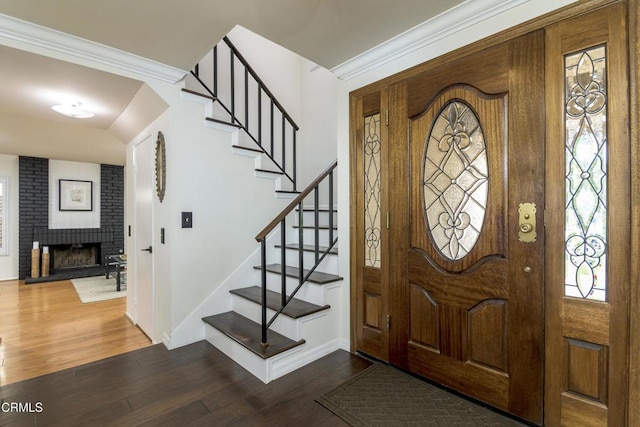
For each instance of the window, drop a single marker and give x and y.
(4, 215)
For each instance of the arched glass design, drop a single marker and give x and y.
(586, 174)
(456, 179)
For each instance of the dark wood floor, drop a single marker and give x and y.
(195, 385)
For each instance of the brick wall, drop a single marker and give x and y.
(112, 207)
(33, 208)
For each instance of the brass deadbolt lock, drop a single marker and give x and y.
(527, 222)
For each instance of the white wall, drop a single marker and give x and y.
(440, 45)
(60, 169)
(306, 91)
(9, 262)
(318, 129)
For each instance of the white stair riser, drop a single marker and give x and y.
(284, 325)
(309, 236)
(310, 292)
(308, 217)
(329, 263)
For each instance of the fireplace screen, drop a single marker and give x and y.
(75, 256)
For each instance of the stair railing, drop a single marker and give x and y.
(326, 177)
(249, 104)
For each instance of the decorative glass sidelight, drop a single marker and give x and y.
(456, 179)
(586, 174)
(372, 190)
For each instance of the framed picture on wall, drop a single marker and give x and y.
(75, 195)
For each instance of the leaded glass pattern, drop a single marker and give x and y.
(586, 174)
(372, 190)
(456, 179)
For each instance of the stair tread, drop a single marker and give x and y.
(321, 227)
(310, 248)
(311, 209)
(316, 277)
(269, 171)
(248, 333)
(203, 95)
(295, 309)
(211, 119)
(240, 147)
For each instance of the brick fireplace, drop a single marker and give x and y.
(33, 215)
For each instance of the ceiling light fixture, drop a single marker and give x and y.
(72, 110)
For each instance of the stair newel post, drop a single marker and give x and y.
(316, 218)
(283, 261)
(263, 251)
(330, 208)
(300, 243)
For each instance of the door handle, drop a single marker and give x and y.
(149, 249)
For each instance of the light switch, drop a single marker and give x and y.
(187, 220)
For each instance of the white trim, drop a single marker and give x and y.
(36, 35)
(452, 21)
(5, 215)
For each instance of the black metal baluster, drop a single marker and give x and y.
(316, 214)
(283, 259)
(294, 157)
(271, 152)
(233, 88)
(246, 98)
(300, 244)
(263, 250)
(284, 144)
(259, 115)
(215, 70)
(331, 208)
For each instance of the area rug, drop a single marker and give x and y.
(384, 396)
(93, 289)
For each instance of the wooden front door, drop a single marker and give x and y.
(475, 263)
(504, 220)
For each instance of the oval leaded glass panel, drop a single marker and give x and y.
(456, 179)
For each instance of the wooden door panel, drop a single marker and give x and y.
(475, 307)
(368, 238)
(586, 336)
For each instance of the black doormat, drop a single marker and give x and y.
(384, 396)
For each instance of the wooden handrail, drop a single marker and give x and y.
(273, 224)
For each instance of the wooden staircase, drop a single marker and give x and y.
(238, 332)
(279, 322)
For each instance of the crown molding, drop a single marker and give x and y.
(23, 32)
(456, 19)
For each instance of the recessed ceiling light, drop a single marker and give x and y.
(72, 110)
